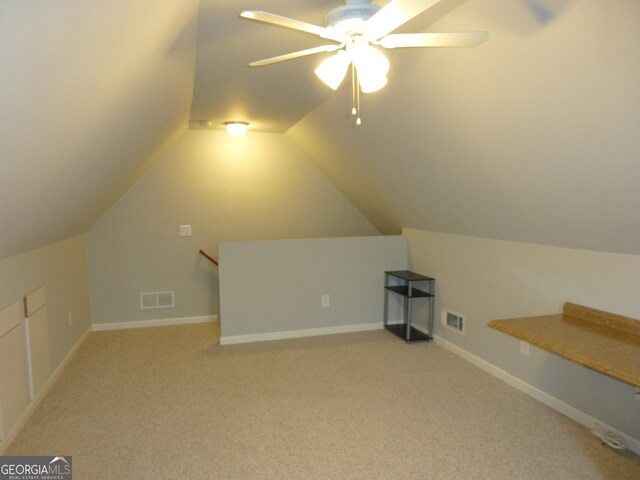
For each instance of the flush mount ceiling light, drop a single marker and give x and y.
(359, 28)
(237, 129)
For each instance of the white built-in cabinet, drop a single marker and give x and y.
(14, 390)
(25, 365)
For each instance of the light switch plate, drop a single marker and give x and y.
(185, 230)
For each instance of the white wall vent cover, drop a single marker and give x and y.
(157, 300)
(453, 321)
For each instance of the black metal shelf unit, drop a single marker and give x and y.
(409, 285)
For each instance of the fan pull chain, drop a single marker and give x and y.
(354, 110)
(358, 119)
(355, 95)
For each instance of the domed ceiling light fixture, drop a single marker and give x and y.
(358, 28)
(235, 128)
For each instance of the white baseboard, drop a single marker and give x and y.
(308, 332)
(164, 322)
(558, 405)
(4, 444)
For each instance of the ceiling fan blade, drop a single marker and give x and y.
(394, 14)
(281, 21)
(461, 39)
(292, 55)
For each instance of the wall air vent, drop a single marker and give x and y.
(453, 321)
(156, 300)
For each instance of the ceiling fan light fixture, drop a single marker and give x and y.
(369, 61)
(372, 83)
(372, 68)
(235, 128)
(333, 69)
(359, 27)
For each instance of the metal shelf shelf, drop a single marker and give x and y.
(403, 285)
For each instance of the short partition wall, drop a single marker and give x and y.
(292, 288)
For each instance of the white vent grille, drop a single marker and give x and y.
(157, 300)
(453, 321)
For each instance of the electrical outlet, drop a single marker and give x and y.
(324, 300)
(70, 318)
(185, 230)
(524, 347)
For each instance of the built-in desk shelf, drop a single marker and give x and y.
(601, 341)
(409, 285)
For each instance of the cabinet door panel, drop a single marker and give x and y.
(13, 371)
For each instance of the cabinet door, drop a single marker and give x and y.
(37, 330)
(13, 371)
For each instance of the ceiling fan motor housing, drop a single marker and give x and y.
(354, 9)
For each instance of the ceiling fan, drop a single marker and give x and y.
(357, 29)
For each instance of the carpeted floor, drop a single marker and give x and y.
(169, 403)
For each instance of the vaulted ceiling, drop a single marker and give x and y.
(90, 91)
(272, 98)
(531, 136)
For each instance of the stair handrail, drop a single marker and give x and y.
(208, 257)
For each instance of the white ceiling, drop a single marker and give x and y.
(90, 91)
(271, 98)
(275, 97)
(532, 136)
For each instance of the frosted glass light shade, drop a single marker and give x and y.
(372, 83)
(372, 68)
(333, 70)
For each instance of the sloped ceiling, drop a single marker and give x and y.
(271, 98)
(89, 92)
(533, 136)
(275, 97)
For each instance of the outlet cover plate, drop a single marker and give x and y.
(325, 300)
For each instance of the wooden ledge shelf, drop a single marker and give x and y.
(601, 341)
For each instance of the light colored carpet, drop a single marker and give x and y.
(167, 403)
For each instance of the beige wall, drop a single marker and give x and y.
(62, 269)
(257, 187)
(491, 279)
